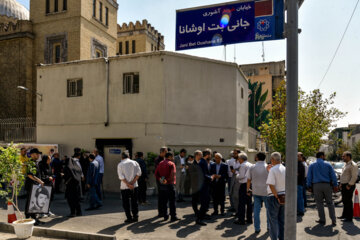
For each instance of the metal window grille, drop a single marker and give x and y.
(131, 83)
(74, 87)
(17, 130)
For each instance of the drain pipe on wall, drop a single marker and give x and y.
(106, 124)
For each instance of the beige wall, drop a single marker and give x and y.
(183, 101)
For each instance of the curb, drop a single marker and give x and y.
(55, 233)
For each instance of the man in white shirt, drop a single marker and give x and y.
(276, 194)
(100, 160)
(180, 174)
(129, 172)
(231, 165)
(244, 199)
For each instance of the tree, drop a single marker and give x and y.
(316, 115)
(355, 151)
(257, 103)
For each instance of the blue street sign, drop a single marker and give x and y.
(115, 151)
(228, 23)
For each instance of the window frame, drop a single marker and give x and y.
(64, 5)
(131, 83)
(56, 5)
(94, 8)
(127, 50)
(55, 57)
(100, 11)
(74, 87)
(133, 46)
(106, 16)
(120, 48)
(47, 6)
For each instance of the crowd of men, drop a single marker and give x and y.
(250, 186)
(206, 173)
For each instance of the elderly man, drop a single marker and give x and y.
(180, 163)
(232, 164)
(348, 182)
(244, 199)
(276, 197)
(256, 177)
(322, 181)
(129, 172)
(219, 171)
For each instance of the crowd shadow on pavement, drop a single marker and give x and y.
(351, 229)
(321, 231)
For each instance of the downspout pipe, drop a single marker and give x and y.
(107, 69)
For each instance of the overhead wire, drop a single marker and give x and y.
(338, 47)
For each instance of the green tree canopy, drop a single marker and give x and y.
(316, 116)
(257, 103)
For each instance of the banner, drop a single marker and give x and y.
(228, 23)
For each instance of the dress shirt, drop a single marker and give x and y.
(166, 169)
(258, 175)
(276, 178)
(306, 168)
(321, 172)
(182, 162)
(231, 162)
(100, 160)
(241, 174)
(218, 168)
(349, 174)
(128, 169)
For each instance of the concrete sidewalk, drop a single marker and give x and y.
(110, 218)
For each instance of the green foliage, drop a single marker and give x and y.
(12, 174)
(355, 151)
(316, 116)
(150, 159)
(257, 103)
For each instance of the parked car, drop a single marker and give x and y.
(338, 168)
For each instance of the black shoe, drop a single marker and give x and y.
(71, 216)
(341, 217)
(201, 223)
(320, 222)
(214, 214)
(249, 221)
(239, 222)
(98, 206)
(300, 214)
(232, 210)
(222, 214)
(257, 231)
(128, 220)
(160, 215)
(174, 219)
(135, 219)
(346, 220)
(38, 222)
(166, 217)
(333, 224)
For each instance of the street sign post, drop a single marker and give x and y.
(228, 23)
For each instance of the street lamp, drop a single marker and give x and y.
(34, 92)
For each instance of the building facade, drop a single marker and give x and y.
(269, 73)
(142, 102)
(139, 37)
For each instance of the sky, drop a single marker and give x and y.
(322, 23)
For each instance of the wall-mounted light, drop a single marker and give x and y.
(34, 92)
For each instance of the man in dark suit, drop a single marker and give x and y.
(180, 162)
(205, 165)
(219, 171)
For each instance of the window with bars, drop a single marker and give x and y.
(131, 83)
(74, 87)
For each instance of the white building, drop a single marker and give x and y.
(141, 102)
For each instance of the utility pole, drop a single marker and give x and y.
(291, 118)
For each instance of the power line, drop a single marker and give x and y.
(337, 49)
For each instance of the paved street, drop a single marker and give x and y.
(110, 220)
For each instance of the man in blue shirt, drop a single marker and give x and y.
(321, 180)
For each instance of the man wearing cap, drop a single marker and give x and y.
(32, 178)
